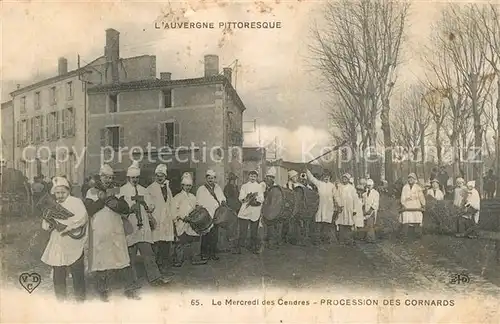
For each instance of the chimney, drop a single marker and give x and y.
(167, 76)
(228, 73)
(112, 52)
(62, 65)
(211, 65)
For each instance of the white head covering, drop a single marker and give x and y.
(161, 168)
(106, 170)
(271, 172)
(210, 172)
(58, 182)
(460, 180)
(369, 182)
(347, 175)
(471, 184)
(363, 181)
(187, 179)
(412, 175)
(292, 173)
(134, 170)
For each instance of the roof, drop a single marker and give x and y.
(314, 168)
(254, 153)
(148, 84)
(6, 104)
(52, 80)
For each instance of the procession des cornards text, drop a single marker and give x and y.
(332, 302)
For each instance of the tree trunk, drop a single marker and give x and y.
(386, 129)
(422, 150)
(438, 143)
(498, 137)
(478, 136)
(456, 155)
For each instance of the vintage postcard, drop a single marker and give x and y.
(286, 161)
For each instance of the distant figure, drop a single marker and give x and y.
(232, 192)
(38, 189)
(489, 185)
(443, 178)
(434, 173)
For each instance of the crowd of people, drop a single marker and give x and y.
(122, 221)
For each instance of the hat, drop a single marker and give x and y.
(59, 182)
(253, 172)
(134, 170)
(360, 187)
(471, 183)
(186, 179)
(106, 170)
(370, 182)
(292, 173)
(271, 172)
(210, 172)
(412, 175)
(161, 169)
(346, 175)
(362, 181)
(461, 180)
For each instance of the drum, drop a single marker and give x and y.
(307, 201)
(224, 216)
(278, 205)
(200, 220)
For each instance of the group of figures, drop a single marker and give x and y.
(118, 222)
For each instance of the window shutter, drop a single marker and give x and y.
(176, 134)
(121, 135)
(31, 129)
(47, 127)
(104, 141)
(18, 133)
(64, 123)
(72, 125)
(57, 126)
(161, 134)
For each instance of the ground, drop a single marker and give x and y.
(426, 264)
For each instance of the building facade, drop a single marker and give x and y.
(51, 116)
(189, 124)
(7, 144)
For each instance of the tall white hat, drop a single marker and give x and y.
(161, 168)
(106, 170)
(134, 170)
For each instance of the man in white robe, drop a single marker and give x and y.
(359, 223)
(371, 201)
(108, 243)
(63, 252)
(186, 238)
(210, 196)
(324, 215)
(251, 197)
(141, 238)
(347, 204)
(468, 221)
(163, 234)
(413, 203)
(460, 193)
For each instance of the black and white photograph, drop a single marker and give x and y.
(278, 161)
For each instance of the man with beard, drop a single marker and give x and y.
(210, 196)
(141, 238)
(107, 244)
(163, 234)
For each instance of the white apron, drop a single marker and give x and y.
(475, 201)
(359, 218)
(63, 250)
(251, 213)
(371, 200)
(182, 204)
(142, 234)
(347, 199)
(108, 246)
(412, 198)
(162, 213)
(326, 192)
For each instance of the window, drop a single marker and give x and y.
(23, 105)
(113, 103)
(37, 100)
(52, 166)
(69, 90)
(37, 129)
(25, 130)
(52, 129)
(113, 136)
(53, 96)
(68, 122)
(167, 98)
(168, 133)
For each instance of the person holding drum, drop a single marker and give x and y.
(210, 196)
(182, 204)
(324, 215)
(251, 197)
(163, 234)
(141, 239)
(347, 210)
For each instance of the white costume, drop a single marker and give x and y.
(347, 200)
(371, 199)
(460, 193)
(326, 192)
(182, 204)
(474, 200)
(62, 250)
(162, 213)
(205, 199)
(251, 213)
(412, 197)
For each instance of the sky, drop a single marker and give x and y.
(274, 78)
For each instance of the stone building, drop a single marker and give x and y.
(51, 116)
(7, 144)
(189, 124)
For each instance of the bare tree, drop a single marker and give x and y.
(357, 52)
(433, 101)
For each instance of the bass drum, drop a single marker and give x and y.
(278, 205)
(224, 216)
(307, 201)
(200, 220)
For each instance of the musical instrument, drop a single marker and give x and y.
(52, 212)
(251, 199)
(136, 208)
(200, 220)
(278, 205)
(224, 216)
(307, 202)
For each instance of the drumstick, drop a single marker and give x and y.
(333, 149)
